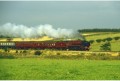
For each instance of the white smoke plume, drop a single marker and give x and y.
(22, 31)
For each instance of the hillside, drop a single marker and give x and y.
(100, 35)
(95, 46)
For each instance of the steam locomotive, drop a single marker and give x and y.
(59, 45)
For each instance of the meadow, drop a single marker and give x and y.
(58, 69)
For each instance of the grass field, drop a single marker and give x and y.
(54, 69)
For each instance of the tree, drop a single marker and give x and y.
(116, 38)
(91, 41)
(105, 47)
(103, 40)
(109, 39)
(98, 40)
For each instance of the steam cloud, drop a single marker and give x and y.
(13, 30)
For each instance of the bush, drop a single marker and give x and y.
(98, 40)
(109, 39)
(16, 51)
(58, 54)
(24, 51)
(20, 51)
(91, 41)
(103, 40)
(38, 53)
(6, 49)
(116, 38)
(105, 47)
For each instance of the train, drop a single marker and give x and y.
(77, 45)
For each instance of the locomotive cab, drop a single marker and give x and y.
(86, 45)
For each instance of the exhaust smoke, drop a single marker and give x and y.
(22, 31)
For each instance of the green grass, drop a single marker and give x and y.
(59, 69)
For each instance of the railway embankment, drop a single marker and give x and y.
(60, 54)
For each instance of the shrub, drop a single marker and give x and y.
(6, 49)
(109, 39)
(91, 41)
(24, 51)
(116, 38)
(20, 51)
(38, 53)
(105, 47)
(58, 53)
(16, 51)
(103, 40)
(98, 40)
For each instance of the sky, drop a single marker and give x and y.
(62, 14)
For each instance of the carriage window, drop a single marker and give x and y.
(9, 43)
(1, 43)
(13, 44)
(53, 44)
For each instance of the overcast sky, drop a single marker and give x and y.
(62, 14)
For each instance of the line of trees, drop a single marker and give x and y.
(99, 30)
(103, 40)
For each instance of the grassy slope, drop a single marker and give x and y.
(47, 69)
(101, 35)
(115, 45)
